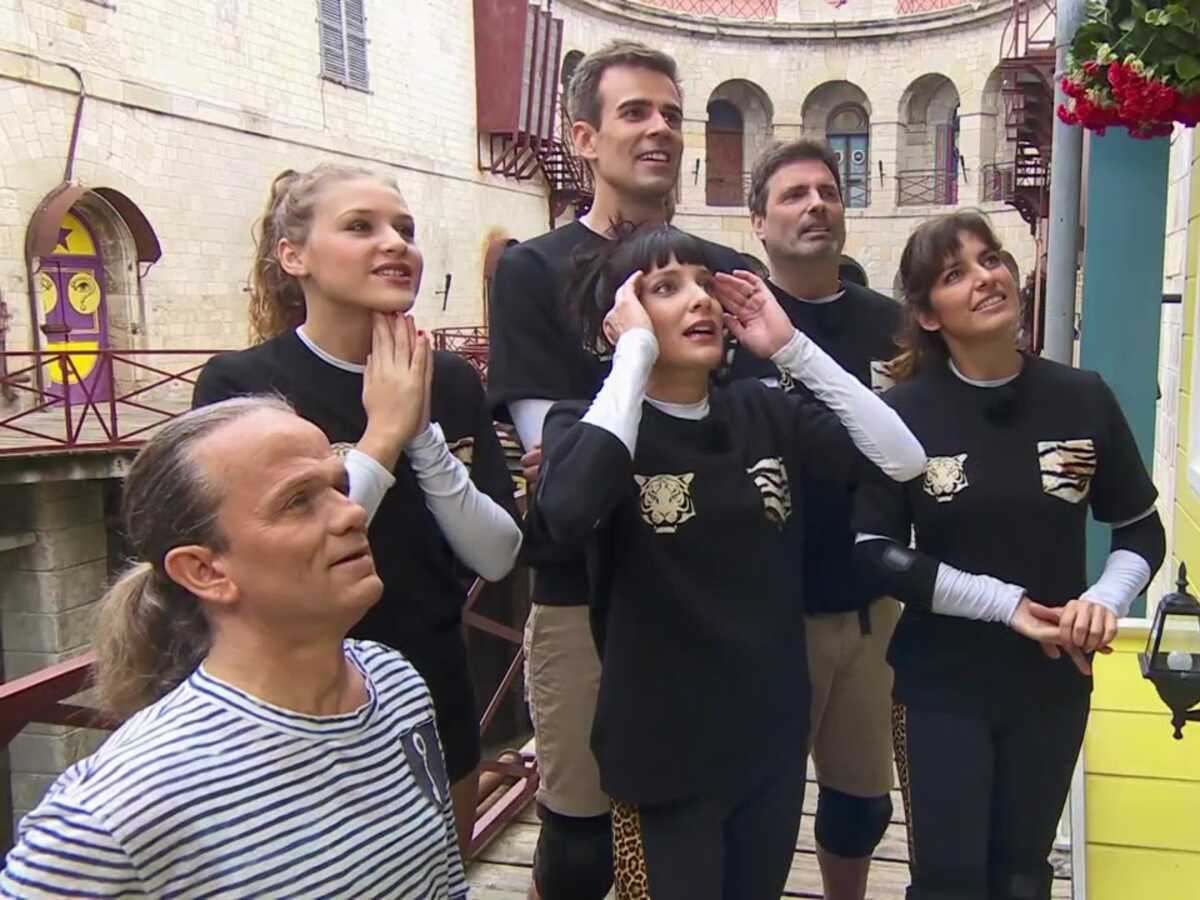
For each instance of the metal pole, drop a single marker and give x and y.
(1066, 161)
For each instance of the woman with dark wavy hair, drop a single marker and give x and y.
(679, 490)
(987, 726)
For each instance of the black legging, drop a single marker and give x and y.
(983, 795)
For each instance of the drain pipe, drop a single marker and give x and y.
(68, 174)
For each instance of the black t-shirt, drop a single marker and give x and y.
(537, 352)
(858, 330)
(1011, 473)
(423, 582)
(700, 632)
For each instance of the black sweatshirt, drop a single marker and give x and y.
(1012, 471)
(694, 605)
(423, 582)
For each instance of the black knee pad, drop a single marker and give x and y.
(573, 859)
(850, 826)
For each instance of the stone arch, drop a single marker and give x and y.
(740, 123)
(826, 99)
(571, 60)
(996, 152)
(928, 165)
(839, 113)
(126, 246)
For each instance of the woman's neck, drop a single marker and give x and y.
(312, 678)
(989, 361)
(344, 332)
(677, 385)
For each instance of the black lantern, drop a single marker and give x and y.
(1172, 656)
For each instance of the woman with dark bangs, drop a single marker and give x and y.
(679, 491)
(987, 726)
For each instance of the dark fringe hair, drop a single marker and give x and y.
(598, 273)
(935, 241)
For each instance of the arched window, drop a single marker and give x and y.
(849, 134)
(569, 64)
(723, 135)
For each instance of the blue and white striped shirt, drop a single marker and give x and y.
(212, 793)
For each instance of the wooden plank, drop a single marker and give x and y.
(887, 880)
(513, 846)
(490, 881)
(1140, 745)
(1124, 873)
(1143, 812)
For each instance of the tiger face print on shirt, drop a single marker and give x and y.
(666, 500)
(771, 478)
(1067, 468)
(945, 476)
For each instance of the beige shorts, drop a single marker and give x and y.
(851, 726)
(562, 679)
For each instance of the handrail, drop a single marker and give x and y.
(77, 415)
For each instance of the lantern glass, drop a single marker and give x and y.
(1173, 644)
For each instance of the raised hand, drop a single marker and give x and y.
(627, 312)
(752, 314)
(397, 386)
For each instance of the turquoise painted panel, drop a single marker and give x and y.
(1122, 285)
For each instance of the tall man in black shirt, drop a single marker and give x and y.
(796, 210)
(626, 106)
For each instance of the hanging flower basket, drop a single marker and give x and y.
(1136, 64)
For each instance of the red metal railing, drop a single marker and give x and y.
(913, 7)
(469, 342)
(725, 9)
(118, 399)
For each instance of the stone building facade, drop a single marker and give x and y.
(160, 126)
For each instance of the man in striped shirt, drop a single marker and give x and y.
(274, 758)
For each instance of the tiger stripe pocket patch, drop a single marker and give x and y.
(1067, 468)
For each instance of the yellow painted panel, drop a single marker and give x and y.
(1128, 873)
(1187, 525)
(1186, 499)
(1143, 812)
(1140, 744)
(80, 364)
(1119, 685)
(1185, 363)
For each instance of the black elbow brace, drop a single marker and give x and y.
(890, 568)
(1145, 537)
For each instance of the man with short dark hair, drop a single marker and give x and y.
(627, 114)
(796, 210)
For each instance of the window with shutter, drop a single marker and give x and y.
(344, 42)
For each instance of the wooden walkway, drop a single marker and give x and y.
(501, 871)
(92, 427)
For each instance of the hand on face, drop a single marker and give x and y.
(627, 312)
(398, 380)
(753, 314)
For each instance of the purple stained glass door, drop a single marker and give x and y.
(75, 315)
